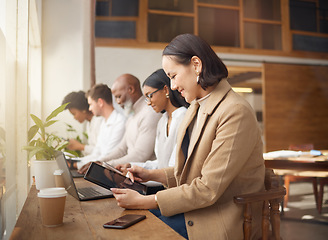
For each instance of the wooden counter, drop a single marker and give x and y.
(84, 220)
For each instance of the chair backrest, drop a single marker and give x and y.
(271, 180)
(271, 199)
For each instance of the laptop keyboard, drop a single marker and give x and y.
(89, 192)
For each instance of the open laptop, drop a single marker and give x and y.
(74, 172)
(82, 194)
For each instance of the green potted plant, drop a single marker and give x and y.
(42, 146)
(71, 130)
(46, 144)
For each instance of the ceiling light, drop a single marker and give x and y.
(242, 89)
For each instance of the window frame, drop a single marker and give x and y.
(141, 40)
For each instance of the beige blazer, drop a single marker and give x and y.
(225, 160)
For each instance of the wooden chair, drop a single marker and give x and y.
(296, 176)
(323, 182)
(271, 197)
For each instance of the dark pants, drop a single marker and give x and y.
(176, 222)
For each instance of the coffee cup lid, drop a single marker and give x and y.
(52, 192)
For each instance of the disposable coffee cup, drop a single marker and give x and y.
(52, 205)
(59, 178)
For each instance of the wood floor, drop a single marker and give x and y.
(301, 220)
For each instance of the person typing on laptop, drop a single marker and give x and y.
(112, 128)
(137, 144)
(79, 107)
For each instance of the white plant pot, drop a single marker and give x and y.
(43, 170)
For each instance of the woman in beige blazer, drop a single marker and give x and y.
(224, 154)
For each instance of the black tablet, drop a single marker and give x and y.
(109, 177)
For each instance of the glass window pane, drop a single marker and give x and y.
(219, 26)
(172, 5)
(323, 11)
(323, 6)
(310, 43)
(303, 16)
(115, 29)
(125, 8)
(221, 2)
(324, 26)
(3, 108)
(102, 8)
(262, 36)
(259, 9)
(163, 28)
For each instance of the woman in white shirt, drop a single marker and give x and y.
(78, 106)
(162, 99)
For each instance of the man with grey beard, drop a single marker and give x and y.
(138, 142)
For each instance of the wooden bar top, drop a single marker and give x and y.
(85, 219)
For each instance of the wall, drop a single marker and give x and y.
(295, 105)
(112, 62)
(66, 54)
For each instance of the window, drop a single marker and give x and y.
(266, 10)
(262, 36)
(245, 25)
(262, 24)
(167, 19)
(17, 67)
(186, 6)
(115, 29)
(163, 28)
(303, 16)
(309, 25)
(116, 18)
(226, 22)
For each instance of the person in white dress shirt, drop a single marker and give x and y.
(79, 107)
(138, 141)
(172, 105)
(113, 127)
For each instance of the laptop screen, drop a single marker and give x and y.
(67, 177)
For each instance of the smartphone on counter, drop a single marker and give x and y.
(124, 221)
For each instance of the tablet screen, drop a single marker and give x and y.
(111, 178)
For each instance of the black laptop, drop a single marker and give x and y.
(74, 172)
(82, 194)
